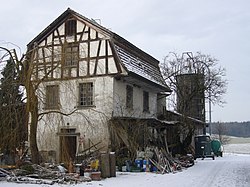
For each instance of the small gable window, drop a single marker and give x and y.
(70, 27)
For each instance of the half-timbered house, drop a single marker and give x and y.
(94, 87)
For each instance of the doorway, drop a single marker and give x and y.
(68, 145)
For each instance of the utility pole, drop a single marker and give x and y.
(210, 111)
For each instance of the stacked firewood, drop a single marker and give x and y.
(164, 162)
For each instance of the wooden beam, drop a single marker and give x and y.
(88, 53)
(97, 56)
(44, 65)
(52, 54)
(60, 39)
(81, 34)
(116, 58)
(36, 62)
(106, 59)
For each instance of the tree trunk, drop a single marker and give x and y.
(33, 133)
(32, 110)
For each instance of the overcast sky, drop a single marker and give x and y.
(220, 28)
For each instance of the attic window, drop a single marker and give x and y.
(70, 27)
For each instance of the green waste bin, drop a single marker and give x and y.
(216, 147)
(203, 148)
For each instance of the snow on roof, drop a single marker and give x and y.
(140, 66)
(182, 115)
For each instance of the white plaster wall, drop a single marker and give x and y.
(90, 122)
(120, 109)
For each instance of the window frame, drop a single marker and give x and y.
(52, 99)
(145, 101)
(89, 95)
(70, 27)
(129, 97)
(71, 55)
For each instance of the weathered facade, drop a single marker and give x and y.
(87, 77)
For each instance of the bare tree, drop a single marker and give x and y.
(27, 69)
(219, 130)
(215, 84)
(205, 80)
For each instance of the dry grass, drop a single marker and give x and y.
(238, 140)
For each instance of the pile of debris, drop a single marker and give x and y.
(89, 164)
(165, 163)
(36, 174)
(94, 166)
(87, 169)
(158, 160)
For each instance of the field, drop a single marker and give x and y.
(237, 145)
(238, 140)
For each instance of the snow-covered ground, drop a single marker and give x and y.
(231, 170)
(237, 148)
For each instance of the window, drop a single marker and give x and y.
(52, 97)
(129, 97)
(86, 93)
(70, 27)
(71, 51)
(145, 101)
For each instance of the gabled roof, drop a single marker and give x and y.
(69, 12)
(131, 57)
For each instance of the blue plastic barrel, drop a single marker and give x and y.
(139, 163)
(146, 163)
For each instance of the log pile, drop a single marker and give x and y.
(162, 161)
(165, 163)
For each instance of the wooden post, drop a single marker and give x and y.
(112, 161)
(105, 166)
